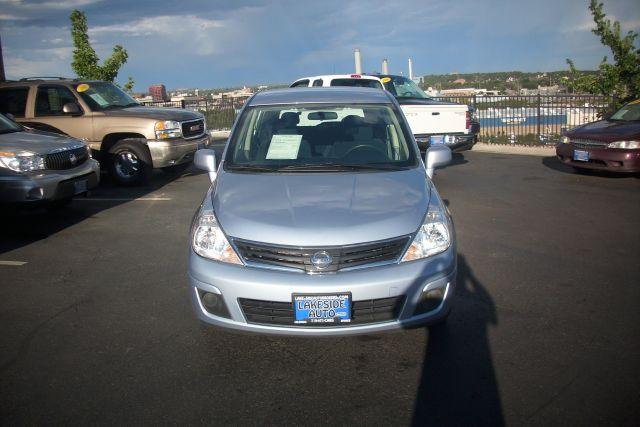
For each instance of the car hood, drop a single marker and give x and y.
(321, 209)
(607, 130)
(154, 113)
(36, 142)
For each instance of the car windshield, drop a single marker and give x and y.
(104, 96)
(7, 126)
(630, 112)
(356, 82)
(402, 87)
(320, 138)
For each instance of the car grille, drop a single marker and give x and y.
(588, 143)
(281, 313)
(342, 257)
(66, 159)
(192, 128)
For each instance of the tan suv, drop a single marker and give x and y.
(128, 138)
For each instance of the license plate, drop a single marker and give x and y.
(80, 186)
(581, 156)
(436, 139)
(325, 309)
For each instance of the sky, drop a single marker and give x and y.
(199, 43)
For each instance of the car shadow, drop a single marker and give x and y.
(552, 162)
(458, 384)
(25, 225)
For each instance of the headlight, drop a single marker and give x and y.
(433, 237)
(626, 145)
(209, 241)
(565, 139)
(168, 129)
(23, 161)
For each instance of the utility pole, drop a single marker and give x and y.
(2, 75)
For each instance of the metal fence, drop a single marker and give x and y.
(533, 120)
(529, 120)
(219, 113)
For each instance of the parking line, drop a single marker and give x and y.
(13, 263)
(123, 199)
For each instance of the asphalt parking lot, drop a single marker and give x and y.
(97, 326)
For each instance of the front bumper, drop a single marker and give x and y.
(48, 185)
(170, 152)
(601, 158)
(409, 279)
(460, 142)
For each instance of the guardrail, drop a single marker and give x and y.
(504, 119)
(532, 120)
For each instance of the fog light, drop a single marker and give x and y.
(214, 304)
(429, 301)
(35, 194)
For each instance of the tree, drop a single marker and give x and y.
(621, 78)
(85, 60)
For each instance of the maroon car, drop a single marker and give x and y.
(612, 144)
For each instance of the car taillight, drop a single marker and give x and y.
(468, 120)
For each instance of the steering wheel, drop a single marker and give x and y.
(378, 155)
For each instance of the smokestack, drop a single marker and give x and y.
(385, 66)
(410, 68)
(358, 60)
(2, 76)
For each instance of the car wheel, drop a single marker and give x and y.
(176, 168)
(130, 163)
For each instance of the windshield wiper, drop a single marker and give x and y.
(331, 167)
(250, 168)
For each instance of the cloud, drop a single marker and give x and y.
(61, 4)
(189, 31)
(587, 25)
(9, 17)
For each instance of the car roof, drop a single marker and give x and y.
(321, 95)
(340, 76)
(38, 81)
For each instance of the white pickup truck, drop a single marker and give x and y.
(431, 121)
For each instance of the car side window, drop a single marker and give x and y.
(317, 82)
(301, 83)
(14, 100)
(51, 99)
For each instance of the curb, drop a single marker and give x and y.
(482, 147)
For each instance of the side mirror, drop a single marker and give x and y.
(205, 159)
(438, 155)
(71, 108)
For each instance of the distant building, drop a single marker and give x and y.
(184, 97)
(469, 91)
(158, 93)
(142, 98)
(544, 90)
(459, 81)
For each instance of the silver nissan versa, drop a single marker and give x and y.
(322, 219)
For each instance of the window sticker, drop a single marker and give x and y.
(99, 99)
(82, 87)
(284, 147)
(386, 79)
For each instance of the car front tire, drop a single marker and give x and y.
(130, 163)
